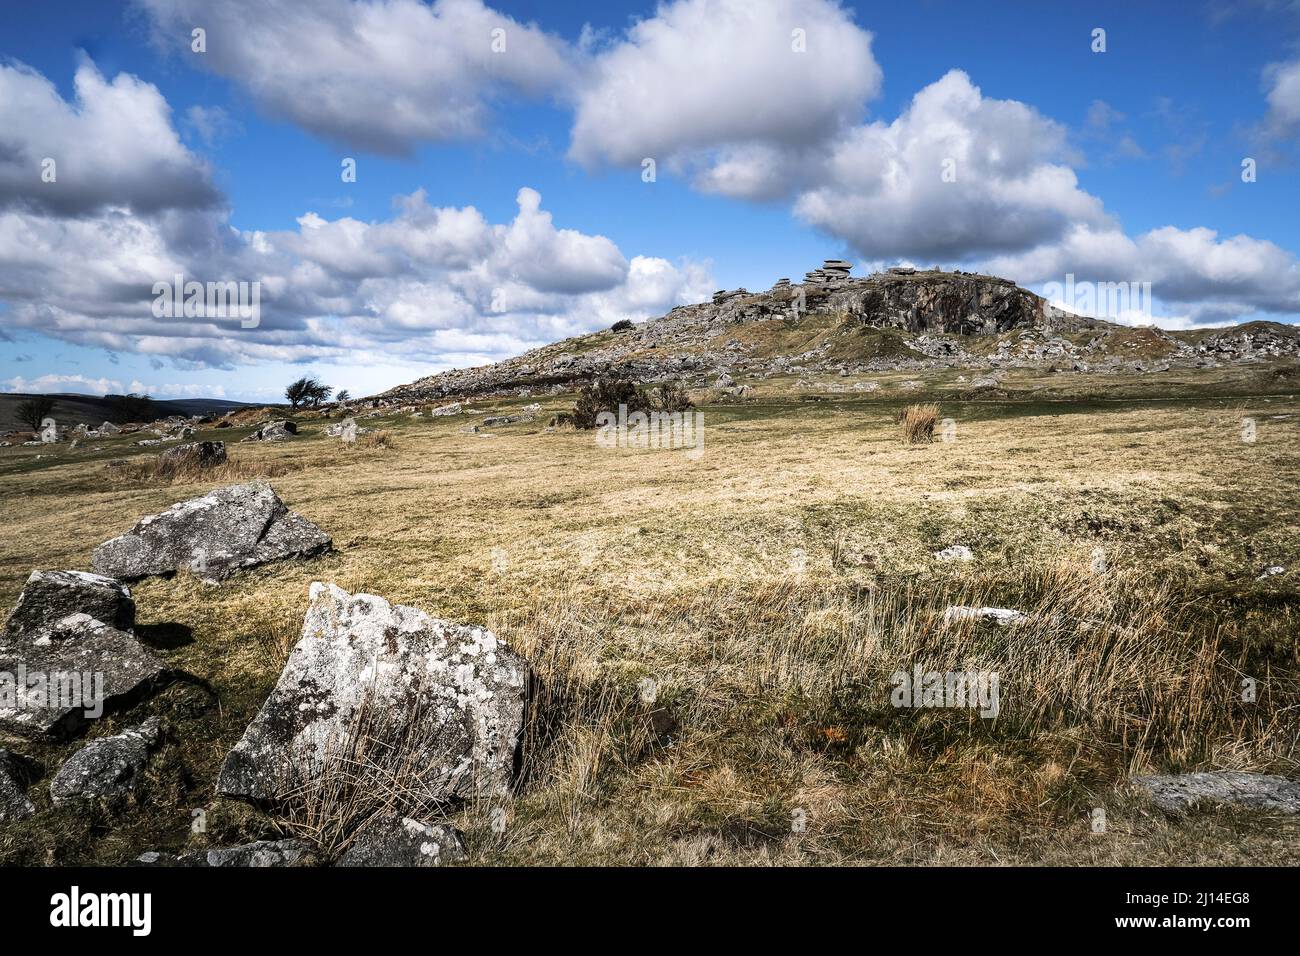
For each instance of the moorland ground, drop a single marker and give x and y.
(714, 636)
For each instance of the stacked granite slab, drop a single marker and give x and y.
(832, 270)
(723, 295)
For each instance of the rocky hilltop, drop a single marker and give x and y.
(836, 323)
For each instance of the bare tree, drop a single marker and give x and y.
(34, 410)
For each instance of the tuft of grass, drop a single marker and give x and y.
(380, 438)
(916, 422)
(377, 766)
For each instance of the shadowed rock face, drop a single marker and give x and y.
(1178, 793)
(50, 596)
(108, 768)
(948, 303)
(204, 454)
(281, 430)
(14, 804)
(448, 699)
(225, 531)
(74, 654)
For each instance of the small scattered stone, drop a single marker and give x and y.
(999, 615)
(958, 552)
(492, 420)
(261, 854)
(109, 768)
(401, 841)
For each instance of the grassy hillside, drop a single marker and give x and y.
(714, 636)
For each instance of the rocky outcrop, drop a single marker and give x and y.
(687, 343)
(447, 699)
(50, 596)
(109, 768)
(1178, 793)
(402, 841)
(216, 535)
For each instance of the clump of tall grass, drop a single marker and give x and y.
(379, 765)
(916, 422)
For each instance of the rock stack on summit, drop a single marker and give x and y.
(832, 270)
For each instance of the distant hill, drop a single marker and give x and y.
(70, 409)
(901, 319)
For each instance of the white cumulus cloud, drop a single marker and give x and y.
(382, 75)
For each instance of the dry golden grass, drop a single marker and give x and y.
(764, 592)
(155, 469)
(379, 438)
(916, 422)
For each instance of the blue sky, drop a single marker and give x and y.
(1121, 165)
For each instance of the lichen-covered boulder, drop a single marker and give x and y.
(14, 804)
(55, 679)
(200, 454)
(216, 535)
(402, 841)
(109, 768)
(50, 596)
(275, 431)
(444, 699)
(1178, 793)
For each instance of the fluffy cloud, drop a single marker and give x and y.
(113, 145)
(718, 89)
(440, 286)
(430, 285)
(955, 175)
(384, 75)
(1205, 277)
(79, 384)
(1282, 87)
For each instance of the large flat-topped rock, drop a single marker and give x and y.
(446, 702)
(56, 679)
(50, 596)
(214, 536)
